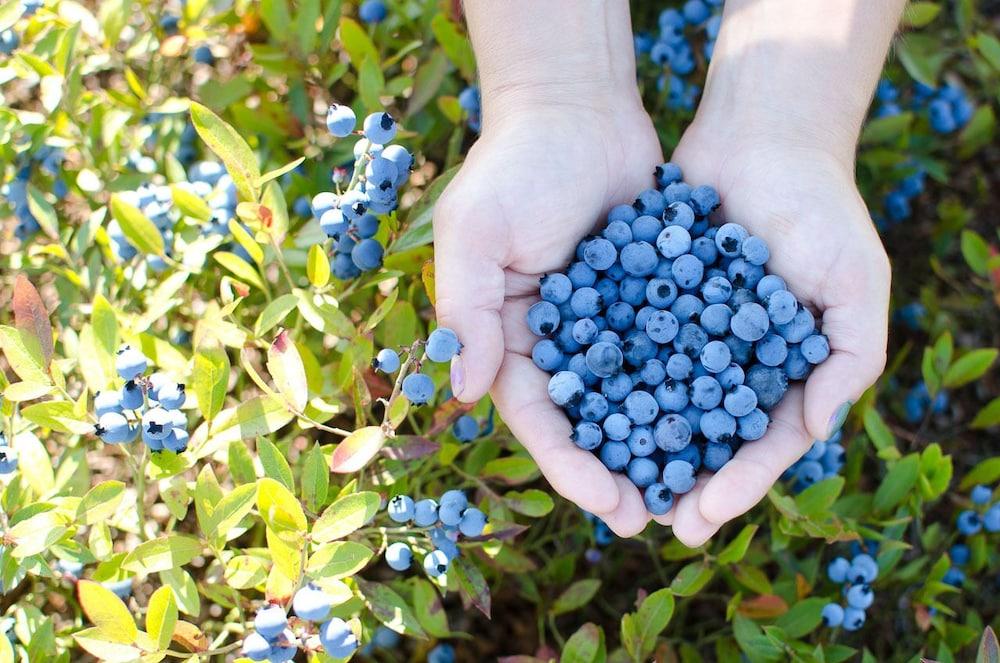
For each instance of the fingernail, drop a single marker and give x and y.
(838, 418)
(457, 376)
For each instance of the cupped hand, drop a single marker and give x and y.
(802, 200)
(534, 184)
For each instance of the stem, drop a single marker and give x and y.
(397, 387)
(232, 590)
(281, 261)
(210, 652)
(139, 469)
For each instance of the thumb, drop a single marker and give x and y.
(857, 329)
(470, 285)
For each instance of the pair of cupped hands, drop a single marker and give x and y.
(542, 176)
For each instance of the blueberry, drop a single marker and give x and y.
(687, 308)
(854, 619)
(641, 408)
(731, 376)
(718, 425)
(715, 356)
(401, 508)
(604, 359)
(860, 596)
(679, 214)
(687, 271)
(960, 554)
(442, 653)
(340, 121)
(801, 327)
(270, 621)
(615, 455)
(450, 514)
(599, 253)
(311, 603)
(556, 288)
(619, 233)
(372, 11)
(587, 435)
(752, 426)
(754, 250)
(672, 432)
(171, 395)
(667, 173)
(864, 569)
(954, 577)
(969, 523)
(387, 361)
(672, 395)
(770, 385)
(616, 388)
(418, 388)
(398, 556)
(690, 339)
(625, 213)
(465, 428)
(658, 499)
(650, 203)
(991, 519)
(256, 647)
(729, 239)
(642, 472)
(473, 522)
(796, 366)
(769, 285)
(640, 259)
(620, 316)
(833, 615)
(660, 292)
(543, 318)
(679, 476)
(617, 426)
(815, 348)
(380, 128)
(337, 638)
(809, 472)
(673, 242)
(837, 570)
(750, 322)
(425, 513)
(442, 345)
(130, 363)
(679, 366)
(586, 302)
(653, 372)
(662, 327)
(740, 401)
(632, 290)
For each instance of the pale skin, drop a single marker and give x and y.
(565, 138)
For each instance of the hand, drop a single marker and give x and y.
(537, 181)
(802, 200)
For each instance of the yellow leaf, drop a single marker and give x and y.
(161, 616)
(107, 612)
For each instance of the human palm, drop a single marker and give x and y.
(532, 186)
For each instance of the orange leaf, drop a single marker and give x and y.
(30, 315)
(190, 637)
(763, 607)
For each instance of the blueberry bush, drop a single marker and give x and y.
(226, 430)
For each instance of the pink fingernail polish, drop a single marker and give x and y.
(457, 376)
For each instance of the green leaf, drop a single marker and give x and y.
(10, 12)
(107, 612)
(803, 617)
(274, 463)
(248, 243)
(245, 571)
(817, 499)
(275, 313)
(969, 367)
(137, 228)
(989, 47)
(976, 251)
(985, 472)
(317, 268)
(919, 14)
(280, 510)
(277, 18)
(24, 354)
(389, 608)
(989, 416)
(58, 416)
(231, 509)
(322, 316)
(877, 430)
(737, 548)
(190, 204)
(356, 42)
(472, 584)
(315, 478)
(371, 83)
(338, 559)
(226, 143)
(258, 416)
(210, 380)
(168, 552)
(585, 646)
(240, 268)
(43, 212)
(575, 596)
(278, 172)
(288, 372)
(456, 45)
(429, 611)
(161, 616)
(922, 56)
(532, 502)
(511, 469)
(889, 129)
(753, 642)
(100, 502)
(347, 514)
(978, 133)
(653, 616)
(897, 484)
(105, 323)
(690, 579)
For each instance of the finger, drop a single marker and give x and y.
(516, 335)
(745, 480)
(521, 396)
(630, 516)
(857, 329)
(469, 283)
(690, 527)
(666, 519)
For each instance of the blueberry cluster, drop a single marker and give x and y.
(984, 516)
(448, 520)
(442, 345)
(603, 536)
(8, 456)
(823, 460)
(349, 216)
(147, 405)
(948, 108)
(667, 342)
(49, 161)
(897, 203)
(855, 578)
(672, 48)
(918, 400)
(274, 641)
(470, 102)
(372, 11)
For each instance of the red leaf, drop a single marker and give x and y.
(357, 450)
(472, 584)
(30, 315)
(763, 607)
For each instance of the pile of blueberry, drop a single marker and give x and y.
(672, 48)
(49, 161)
(985, 515)
(447, 520)
(349, 216)
(948, 108)
(8, 456)
(149, 406)
(667, 342)
(470, 102)
(418, 387)
(824, 459)
(274, 641)
(855, 577)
